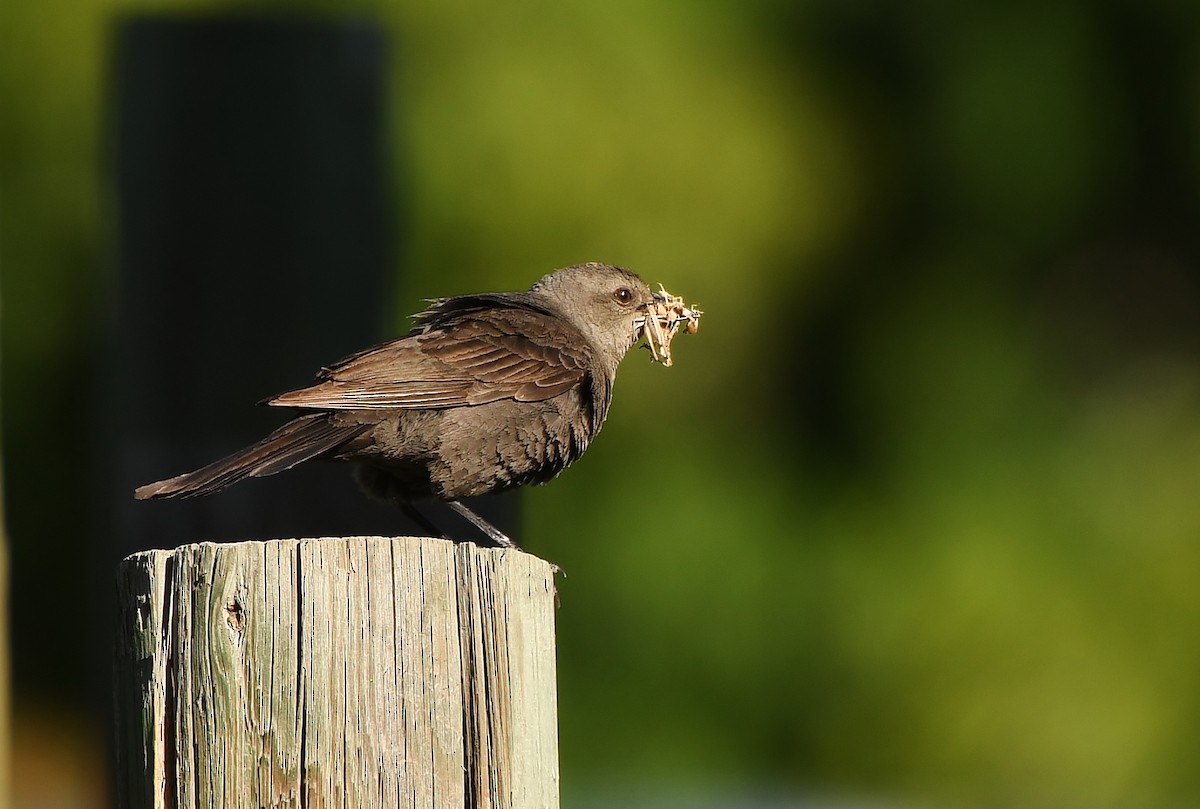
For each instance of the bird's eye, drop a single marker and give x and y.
(623, 296)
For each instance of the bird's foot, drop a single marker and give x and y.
(493, 533)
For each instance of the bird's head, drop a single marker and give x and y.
(608, 304)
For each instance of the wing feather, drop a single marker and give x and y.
(462, 356)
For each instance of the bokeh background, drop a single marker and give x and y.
(913, 519)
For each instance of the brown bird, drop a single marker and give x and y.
(486, 392)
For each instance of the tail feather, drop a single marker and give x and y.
(299, 440)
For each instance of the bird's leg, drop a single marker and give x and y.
(493, 533)
(421, 520)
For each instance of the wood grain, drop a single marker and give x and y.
(345, 672)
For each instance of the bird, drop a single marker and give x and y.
(487, 392)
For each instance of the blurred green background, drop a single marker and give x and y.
(912, 519)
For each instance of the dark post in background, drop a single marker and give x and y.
(253, 246)
(255, 243)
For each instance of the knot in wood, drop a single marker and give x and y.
(235, 615)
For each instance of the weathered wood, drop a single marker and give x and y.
(336, 673)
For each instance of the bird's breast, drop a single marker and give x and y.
(501, 445)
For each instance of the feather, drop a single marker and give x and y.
(299, 440)
(477, 356)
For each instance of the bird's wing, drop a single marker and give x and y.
(464, 356)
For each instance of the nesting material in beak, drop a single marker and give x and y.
(661, 322)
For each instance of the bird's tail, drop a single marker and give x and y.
(301, 439)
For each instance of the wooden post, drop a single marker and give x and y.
(347, 672)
